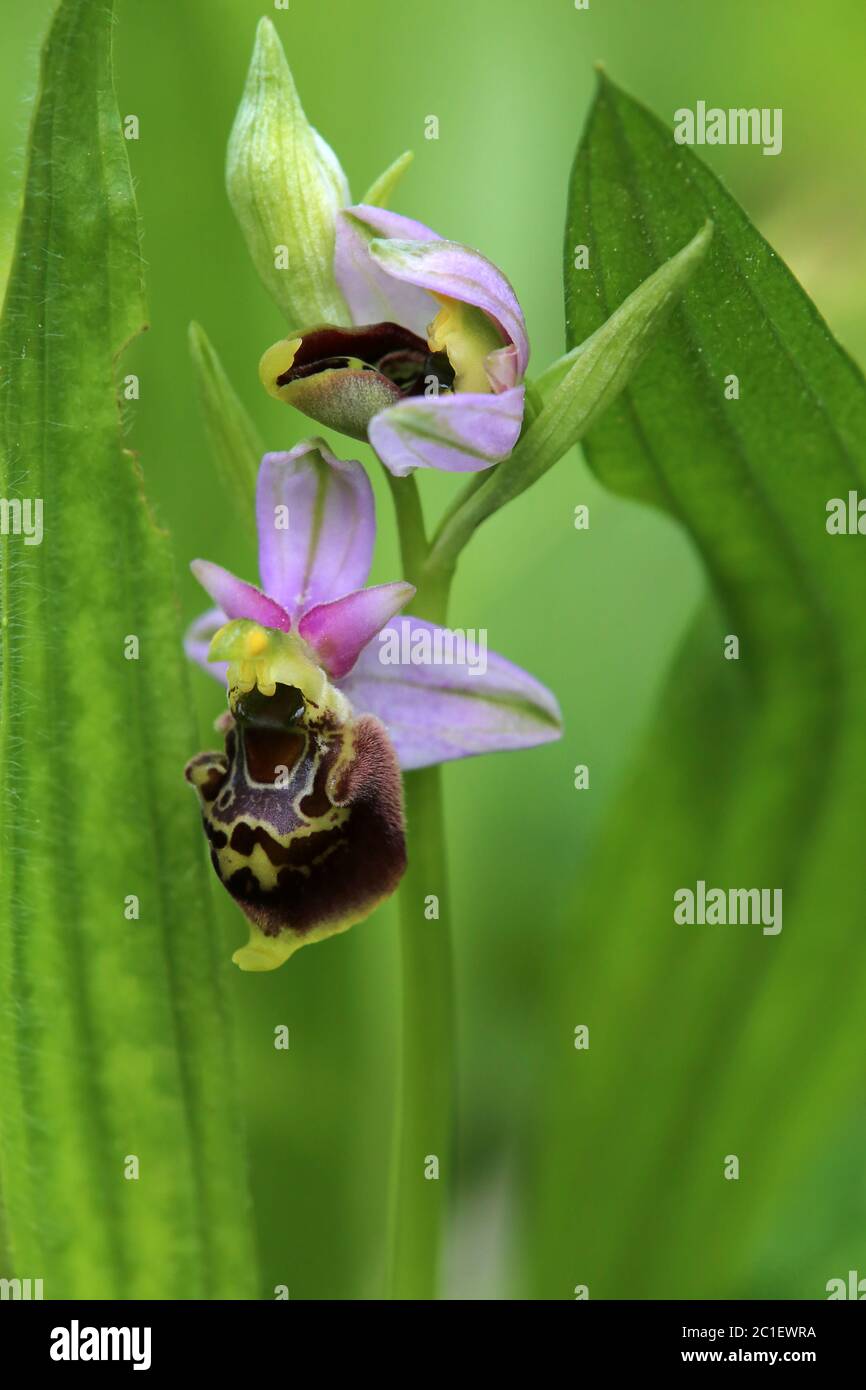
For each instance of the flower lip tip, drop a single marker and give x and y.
(264, 953)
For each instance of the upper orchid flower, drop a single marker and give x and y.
(304, 809)
(431, 369)
(396, 336)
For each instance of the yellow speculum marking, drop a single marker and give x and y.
(266, 872)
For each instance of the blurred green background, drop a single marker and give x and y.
(597, 615)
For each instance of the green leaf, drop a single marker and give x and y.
(114, 1037)
(708, 1041)
(234, 440)
(579, 388)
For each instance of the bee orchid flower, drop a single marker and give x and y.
(398, 337)
(330, 696)
(430, 370)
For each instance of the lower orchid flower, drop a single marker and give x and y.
(328, 700)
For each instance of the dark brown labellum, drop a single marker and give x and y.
(342, 377)
(305, 822)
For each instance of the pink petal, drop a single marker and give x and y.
(327, 545)
(460, 434)
(435, 713)
(339, 631)
(503, 368)
(237, 599)
(372, 295)
(447, 268)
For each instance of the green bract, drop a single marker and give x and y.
(286, 187)
(233, 437)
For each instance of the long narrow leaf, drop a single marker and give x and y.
(717, 1041)
(121, 1166)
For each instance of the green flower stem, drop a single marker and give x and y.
(410, 525)
(426, 1089)
(473, 484)
(425, 1103)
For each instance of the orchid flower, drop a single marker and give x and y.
(397, 336)
(330, 697)
(430, 369)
